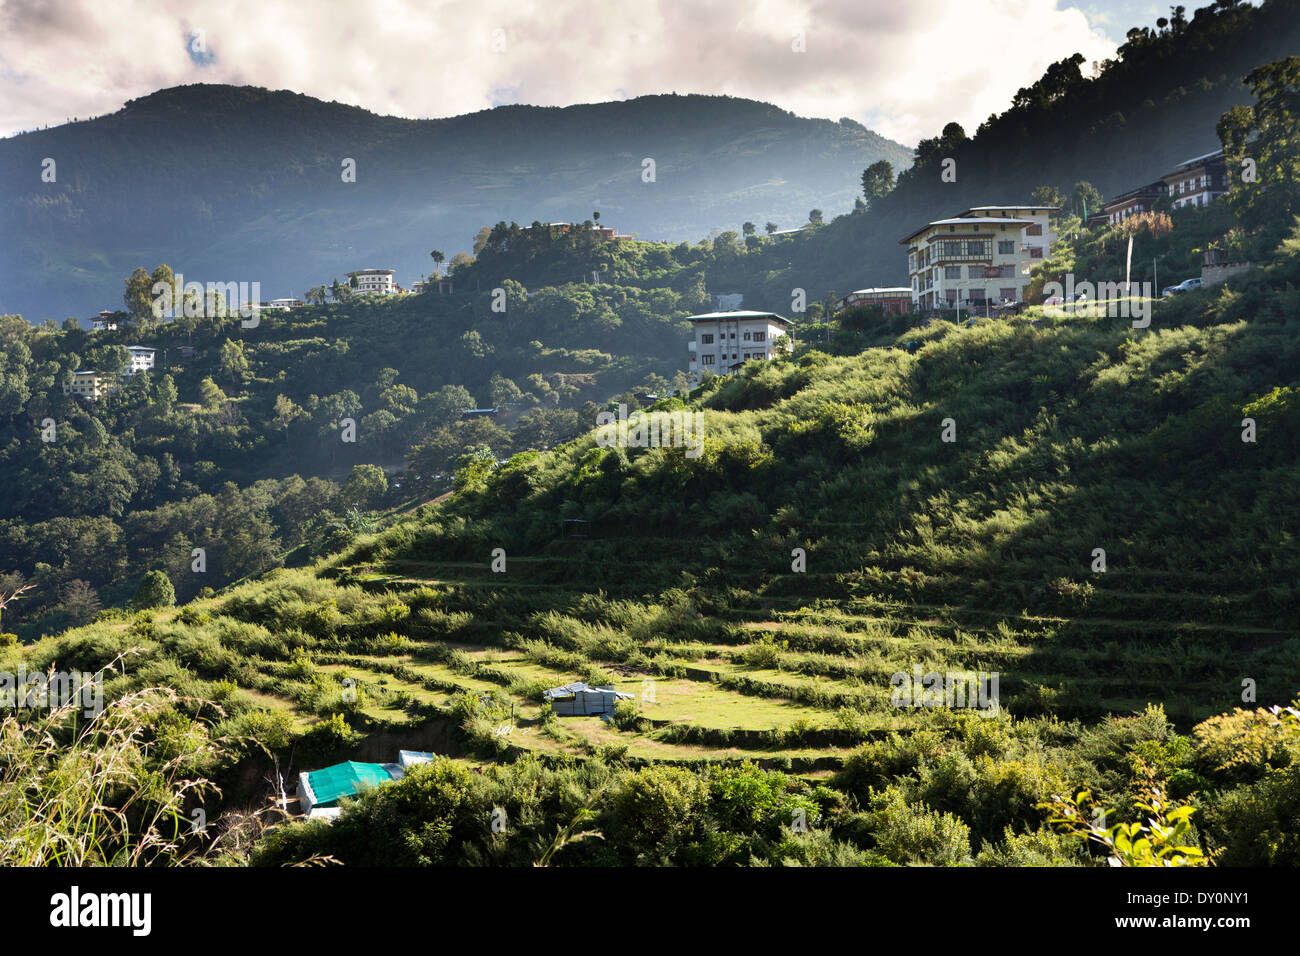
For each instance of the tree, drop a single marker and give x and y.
(286, 413)
(211, 397)
(771, 227)
(747, 229)
(502, 390)
(138, 297)
(155, 590)
(472, 468)
(655, 384)
(877, 181)
(80, 601)
(234, 363)
(815, 217)
(544, 427)
(15, 361)
(1266, 135)
(170, 295)
(472, 344)
(438, 260)
(444, 406)
(400, 399)
(365, 487)
(1086, 198)
(166, 396)
(725, 248)
(378, 427)
(1047, 196)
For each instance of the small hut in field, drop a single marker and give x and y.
(579, 699)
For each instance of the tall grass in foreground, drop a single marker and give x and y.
(89, 791)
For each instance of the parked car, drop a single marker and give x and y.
(1187, 285)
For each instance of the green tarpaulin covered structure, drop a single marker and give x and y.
(324, 788)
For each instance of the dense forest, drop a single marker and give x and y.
(234, 442)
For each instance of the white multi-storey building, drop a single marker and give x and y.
(141, 360)
(91, 385)
(977, 260)
(726, 340)
(378, 281)
(1038, 238)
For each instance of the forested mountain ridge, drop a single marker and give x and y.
(240, 183)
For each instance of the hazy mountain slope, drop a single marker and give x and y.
(239, 183)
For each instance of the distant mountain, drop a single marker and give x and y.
(229, 183)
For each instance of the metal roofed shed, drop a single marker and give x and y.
(326, 787)
(579, 699)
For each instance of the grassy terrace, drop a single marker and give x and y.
(1125, 648)
(758, 674)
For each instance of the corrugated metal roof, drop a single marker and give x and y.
(578, 687)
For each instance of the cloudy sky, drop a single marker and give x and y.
(903, 67)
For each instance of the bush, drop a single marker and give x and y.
(908, 833)
(627, 716)
(655, 811)
(155, 590)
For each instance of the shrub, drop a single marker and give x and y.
(655, 811)
(627, 716)
(155, 590)
(908, 833)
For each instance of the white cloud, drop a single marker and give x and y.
(911, 67)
